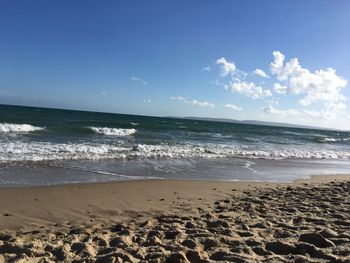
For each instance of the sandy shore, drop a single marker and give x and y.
(178, 221)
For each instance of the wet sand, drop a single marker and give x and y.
(178, 221)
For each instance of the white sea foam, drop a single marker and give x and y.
(113, 131)
(18, 128)
(330, 139)
(222, 151)
(248, 165)
(45, 151)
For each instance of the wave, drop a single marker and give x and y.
(18, 128)
(45, 151)
(226, 151)
(113, 131)
(332, 140)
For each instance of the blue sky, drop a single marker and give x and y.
(183, 58)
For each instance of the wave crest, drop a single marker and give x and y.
(332, 140)
(44, 151)
(113, 131)
(18, 128)
(221, 151)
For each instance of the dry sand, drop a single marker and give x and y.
(178, 221)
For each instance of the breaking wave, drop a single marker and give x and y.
(332, 140)
(113, 131)
(46, 151)
(18, 128)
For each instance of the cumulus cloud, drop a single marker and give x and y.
(194, 102)
(248, 89)
(227, 68)
(261, 73)
(232, 107)
(238, 84)
(323, 85)
(137, 79)
(277, 65)
(319, 92)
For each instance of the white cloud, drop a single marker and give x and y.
(147, 101)
(261, 73)
(226, 67)
(280, 89)
(194, 102)
(314, 114)
(272, 110)
(206, 68)
(248, 89)
(137, 79)
(324, 114)
(103, 93)
(232, 107)
(277, 65)
(323, 85)
(331, 112)
(238, 83)
(180, 98)
(319, 92)
(201, 103)
(273, 101)
(335, 106)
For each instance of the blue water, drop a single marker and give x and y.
(49, 146)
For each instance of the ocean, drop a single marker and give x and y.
(40, 146)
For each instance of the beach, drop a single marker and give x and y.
(174, 131)
(178, 221)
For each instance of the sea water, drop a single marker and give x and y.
(40, 146)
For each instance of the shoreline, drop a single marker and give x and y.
(42, 202)
(311, 178)
(80, 213)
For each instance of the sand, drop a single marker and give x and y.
(178, 221)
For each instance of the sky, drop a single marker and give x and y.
(285, 61)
